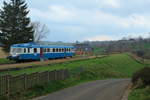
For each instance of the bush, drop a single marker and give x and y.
(140, 94)
(142, 77)
(140, 53)
(3, 98)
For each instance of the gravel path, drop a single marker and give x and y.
(98, 90)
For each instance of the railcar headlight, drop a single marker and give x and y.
(14, 54)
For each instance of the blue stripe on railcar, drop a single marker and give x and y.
(36, 56)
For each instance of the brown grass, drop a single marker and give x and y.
(2, 53)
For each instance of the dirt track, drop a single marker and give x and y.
(39, 63)
(98, 90)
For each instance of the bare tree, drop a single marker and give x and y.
(40, 31)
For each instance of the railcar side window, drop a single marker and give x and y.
(24, 50)
(53, 49)
(35, 50)
(59, 50)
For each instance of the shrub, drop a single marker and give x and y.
(3, 98)
(142, 77)
(140, 53)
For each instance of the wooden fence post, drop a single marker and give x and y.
(47, 76)
(25, 82)
(38, 78)
(8, 85)
(55, 75)
(63, 76)
(1, 85)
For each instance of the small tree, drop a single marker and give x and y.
(14, 24)
(143, 75)
(40, 31)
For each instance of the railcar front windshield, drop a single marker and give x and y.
(16, 50)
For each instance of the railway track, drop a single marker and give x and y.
(17, 66)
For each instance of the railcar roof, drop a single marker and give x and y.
(35, 45)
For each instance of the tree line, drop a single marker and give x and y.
(139, 46)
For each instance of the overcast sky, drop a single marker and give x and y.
(71, 20)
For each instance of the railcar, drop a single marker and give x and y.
(33, 51)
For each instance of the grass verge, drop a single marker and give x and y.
(140, 94)
(5, 61)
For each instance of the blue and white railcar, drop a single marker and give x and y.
(33, 51)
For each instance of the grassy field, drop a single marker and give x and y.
(120, 64)
(113, 66)
(140, 94)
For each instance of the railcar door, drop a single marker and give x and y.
(41, 53)
(65, 51)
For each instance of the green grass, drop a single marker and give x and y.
(117, 63)
(5, 61)
(140, 94)
(113, 66)
(99, 50)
